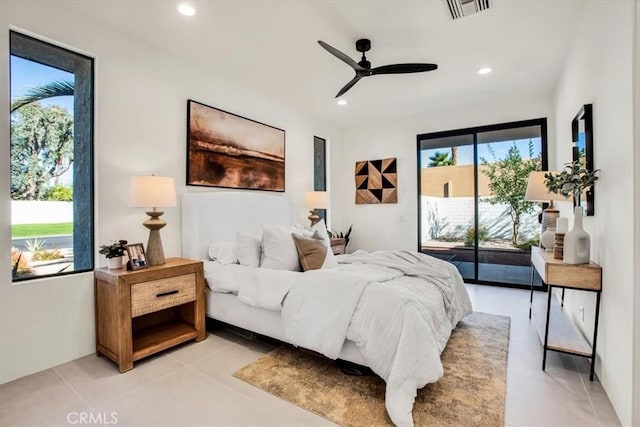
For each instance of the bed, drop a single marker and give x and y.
(382, 324)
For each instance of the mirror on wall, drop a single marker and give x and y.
(582, 137)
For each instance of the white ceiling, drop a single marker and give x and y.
(271, 47)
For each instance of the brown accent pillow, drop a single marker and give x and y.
(312, 252)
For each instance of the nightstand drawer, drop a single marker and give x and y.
(159, 294)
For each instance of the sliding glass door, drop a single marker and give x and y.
(471, 188)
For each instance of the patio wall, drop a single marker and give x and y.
(454, 216)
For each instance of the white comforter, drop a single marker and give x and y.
(398, 307)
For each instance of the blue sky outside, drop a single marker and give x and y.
(27, 74)
(465, 152)
(581, 140)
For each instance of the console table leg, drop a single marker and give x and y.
(595, 337)
(531, 286)
(546, 328)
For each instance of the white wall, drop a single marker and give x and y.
(598, 70)
(396, 225)
(141, 95)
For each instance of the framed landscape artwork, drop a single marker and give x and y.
(226, 150)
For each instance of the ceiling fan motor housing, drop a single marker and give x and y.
(364, 45)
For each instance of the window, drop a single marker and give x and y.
(320, 170)
(51, 159)
(471, 205)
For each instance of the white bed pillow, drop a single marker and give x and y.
(223, 252)
(248, 249)
(278, 249)
(321, 228)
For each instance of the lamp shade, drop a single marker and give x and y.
(316, 200)
(537, 191)
(153, 192)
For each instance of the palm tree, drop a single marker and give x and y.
(454, 155)
(48, 90)
(440, 158)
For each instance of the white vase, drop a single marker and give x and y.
(115, 262)
(577, 242)
(548, 238)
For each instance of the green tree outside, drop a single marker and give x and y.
(508, 182)
(41, 149)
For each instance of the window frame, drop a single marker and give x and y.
(320, 171)
(83, 68)
(475, 130)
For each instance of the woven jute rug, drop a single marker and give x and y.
(471, 392)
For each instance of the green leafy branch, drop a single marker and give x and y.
(48, 90)
(572, 181)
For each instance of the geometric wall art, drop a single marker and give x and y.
(377, 181)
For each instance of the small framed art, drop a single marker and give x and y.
(137, 257)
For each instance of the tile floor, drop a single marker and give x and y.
(192, 385)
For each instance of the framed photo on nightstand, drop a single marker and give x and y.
(137, 257)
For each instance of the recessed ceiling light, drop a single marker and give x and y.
(342, 102)
(484, 70)
(186, 9)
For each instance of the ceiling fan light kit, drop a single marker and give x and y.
(363, 67)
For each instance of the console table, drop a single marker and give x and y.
(563, 336)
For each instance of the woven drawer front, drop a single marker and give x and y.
(159, 294)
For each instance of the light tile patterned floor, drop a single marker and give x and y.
(192, 385)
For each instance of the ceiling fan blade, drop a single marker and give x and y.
(348, 86)
(341, 56)
(403, 68)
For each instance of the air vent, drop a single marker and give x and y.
(461, 8)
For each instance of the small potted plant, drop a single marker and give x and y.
(113, 253)
(574, 180)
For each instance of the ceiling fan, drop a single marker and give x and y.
(363, 68)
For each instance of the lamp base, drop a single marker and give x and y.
(549, 217)
(155, 254)
(314, 217)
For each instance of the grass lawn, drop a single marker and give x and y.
(31, 230)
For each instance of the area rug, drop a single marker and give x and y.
(471, 392)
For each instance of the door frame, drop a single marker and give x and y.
(544, 158)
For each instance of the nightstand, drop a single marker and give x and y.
(338, 246)
(142, 312)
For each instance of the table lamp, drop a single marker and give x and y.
(153, 192)
(314, 200)
(537, 191)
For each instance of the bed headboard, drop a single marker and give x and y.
(217, 216)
